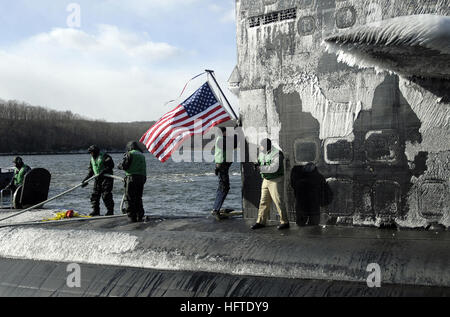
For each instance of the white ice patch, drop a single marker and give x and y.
(123, 249)
(336, 119)
(410, 45)
(66, 245)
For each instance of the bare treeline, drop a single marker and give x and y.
(29, 129)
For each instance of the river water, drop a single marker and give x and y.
(174, 189)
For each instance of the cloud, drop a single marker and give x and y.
(229, 16)
(111, 73)
(150, 7)
(124, 63)
(97, 92)
(226, 11)
(107, 75)
(214, 7)
(108, 40)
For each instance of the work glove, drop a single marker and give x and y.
(218, 167)
(84, 183)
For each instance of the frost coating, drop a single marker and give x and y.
(435, 119)
(427, 30)
(122, 249)
(335, 119)
(66, 245)
(312, 96)
(407, 45)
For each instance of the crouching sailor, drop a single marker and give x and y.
(19, 174)
(135, 169)
(101, 164)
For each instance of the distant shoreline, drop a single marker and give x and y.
(55, 153)
(68, 153)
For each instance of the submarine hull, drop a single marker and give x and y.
(379, 139)
(200, 256)
(26, 278)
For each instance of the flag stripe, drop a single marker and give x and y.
(147, 134)
(164, 124)
(196, 115)
(177, 111)
(182, 129)
(177, 145)
(180, 123)
(173, 133)
(191, 132)
(174, 122)
(181, 117)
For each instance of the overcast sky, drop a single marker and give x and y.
(123, 62)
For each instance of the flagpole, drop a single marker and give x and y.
(211, 72)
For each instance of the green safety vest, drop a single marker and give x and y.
(266, 159)
(19, 175)
(219, 154)
(98, 164)
(138, 165)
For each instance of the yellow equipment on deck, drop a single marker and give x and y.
(69, 214)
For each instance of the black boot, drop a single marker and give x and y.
(217, 215)
(132, 217)
(95, 213)
(110, 213)
(140, 217)
(283, 226)
(257, 226)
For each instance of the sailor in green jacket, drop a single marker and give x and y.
(101, 164)
(222, 169)
(19, 174)
(135, 168)
(271, 166)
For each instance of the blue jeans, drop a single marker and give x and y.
(224, 185)
(220, 198)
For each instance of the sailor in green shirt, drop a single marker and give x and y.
(101, 164)
(19, 174)
(135, 167)
(221, 152)
(271, 166)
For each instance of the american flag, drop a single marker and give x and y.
(196, 115)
